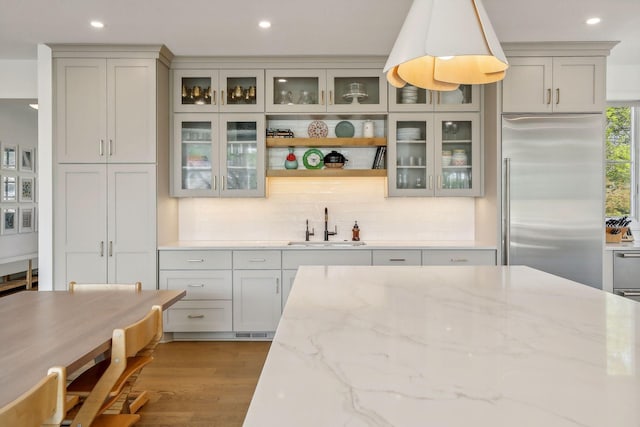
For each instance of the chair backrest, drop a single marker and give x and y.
(43, 404)
(125, 343)
(75, 287)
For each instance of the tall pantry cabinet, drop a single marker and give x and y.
(111, 119)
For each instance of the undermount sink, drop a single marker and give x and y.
(334, 244)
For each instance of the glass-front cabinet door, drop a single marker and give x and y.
(356, 90)
(457, 154)
(295, 91)
(195, 91)
(411, 98)
(195, 155)
(410, 162)
(434, 154)
(241, 90)
(242, 147)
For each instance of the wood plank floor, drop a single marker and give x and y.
(201, 384)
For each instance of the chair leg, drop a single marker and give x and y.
(139, 400)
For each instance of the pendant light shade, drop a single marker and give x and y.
(445, 43)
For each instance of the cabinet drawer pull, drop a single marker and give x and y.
(195, 316)
(195, 260)
(459, 260)
(629, 293)
(629, 255)
(257, 260)
(195, 285)
(548, 96)
(397, 259)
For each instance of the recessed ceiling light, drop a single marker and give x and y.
(593, 21)
(97, 24)
(264, 24)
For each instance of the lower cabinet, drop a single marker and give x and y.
(288, 276)
(257, 300)
(459, 257)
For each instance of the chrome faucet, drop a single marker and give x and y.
(308, 233)
(328, 233)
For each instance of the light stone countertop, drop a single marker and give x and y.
(449, 347)
(283, 244)
(626, 246)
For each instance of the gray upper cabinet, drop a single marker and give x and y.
(106, 110)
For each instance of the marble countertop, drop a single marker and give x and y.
(283, 244)
(627, 246)
(450, 346)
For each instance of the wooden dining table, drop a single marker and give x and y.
(42, 329)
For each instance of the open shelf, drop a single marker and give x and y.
(325, 172)
(326, 142)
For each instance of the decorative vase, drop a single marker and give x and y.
(367, 129)
(291, 162)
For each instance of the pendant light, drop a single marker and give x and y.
(445, 43)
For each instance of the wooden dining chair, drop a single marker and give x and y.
(75, 287)
(103, 383)
(43, 405)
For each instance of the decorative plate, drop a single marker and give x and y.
(345, 129)
(313, 159)
(318, 129)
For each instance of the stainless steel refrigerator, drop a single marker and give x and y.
(553, 194)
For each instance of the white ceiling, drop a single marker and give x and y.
(300, 27)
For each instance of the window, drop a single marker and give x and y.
(621, 161)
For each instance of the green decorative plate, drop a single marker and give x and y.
(345, 129)
(313, 159)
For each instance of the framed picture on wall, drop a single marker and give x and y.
(9, 155)
(9, 220)
(26, 220)
(27, 184)
(27, 159)
(9, 187)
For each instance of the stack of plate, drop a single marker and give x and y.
(409, 94)
(405, 134)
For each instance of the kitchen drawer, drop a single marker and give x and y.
(459, 257)
(397, 257)
(294, 259)
(215, 284)
(199, 316)
(195, 260)
(257, 260)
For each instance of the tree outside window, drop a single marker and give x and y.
(620, 157)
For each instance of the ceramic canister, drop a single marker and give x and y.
(367, 129)
(446, 158)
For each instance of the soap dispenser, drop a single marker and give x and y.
(355, 232)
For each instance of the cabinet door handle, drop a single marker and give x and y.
(215, 182)
(430, 182)
(459, 260)
(430, 97)
(101, 147)
(557, 96)
(110, 248)
(438, 97)
(195, 316)
(215, 94)
(548, 96)
(102, 248)
(439, 184)
(277, 286)
(222, 97)
(330, 97)
(195, 260)
(321, 97)
(397, 259)
(222, 188)
(195, 285)
(110, 147)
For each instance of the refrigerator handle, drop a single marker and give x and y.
(506, 225)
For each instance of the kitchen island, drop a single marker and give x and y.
(449, 346)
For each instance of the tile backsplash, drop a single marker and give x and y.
(282, 214)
